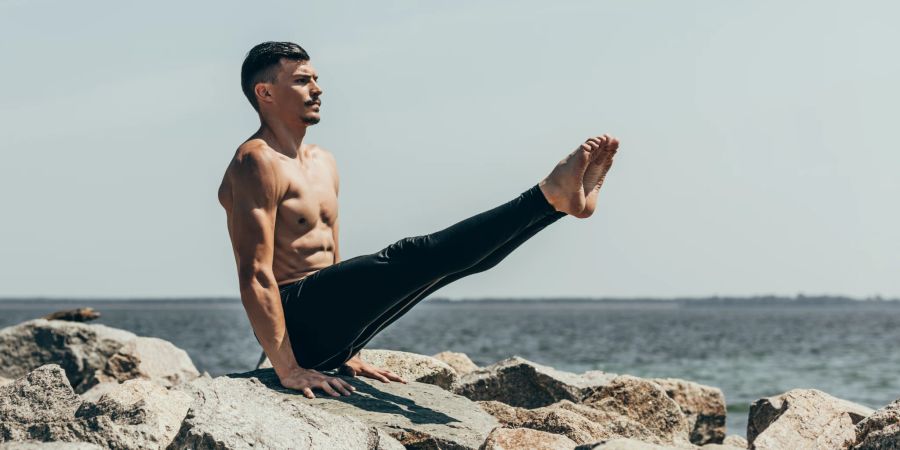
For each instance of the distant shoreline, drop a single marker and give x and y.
(769, 301)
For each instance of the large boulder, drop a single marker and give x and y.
(736, 441)
(519, 382)
(460, 362)
(580, 423)
(519, 438)
(413, 367)
(624, 444)
(803, 419)
(646, 403)
(703, 406)
(418, 415)
(42, 406)
(91, 354)
(36, 445)
(880, 430)
(5, 381)
(237, 413)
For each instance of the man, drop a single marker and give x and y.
(311, 311)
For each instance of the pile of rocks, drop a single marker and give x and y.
(80, 386)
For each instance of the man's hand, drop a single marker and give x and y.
(306, 380)
(357, 367)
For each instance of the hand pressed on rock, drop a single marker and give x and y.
(305, 380)
(357, 367)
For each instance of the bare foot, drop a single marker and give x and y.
(576, 179)
(601, 161)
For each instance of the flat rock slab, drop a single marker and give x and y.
(803, 419)
(420, 416)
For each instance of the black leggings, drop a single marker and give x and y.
(344, 305)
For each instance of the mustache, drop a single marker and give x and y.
(315, 101)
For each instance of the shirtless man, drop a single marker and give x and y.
(280, 197)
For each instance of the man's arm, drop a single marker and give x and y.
(251, 225)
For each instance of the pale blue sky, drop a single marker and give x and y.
(758, 139)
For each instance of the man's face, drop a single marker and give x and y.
(296, 92)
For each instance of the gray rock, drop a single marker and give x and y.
(721, 447)
(91, 354)
(880, 430)
(644, 402)
(43, 407)
(627, 444)
(519, 382)
(519, 438)
(460, 362)
(703, 406)
(416, 414)
(242, 412)
(32, 406)
(5, 381)
(413, 367)
(803, 419)
(36, 445)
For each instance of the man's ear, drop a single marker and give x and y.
(263, 94)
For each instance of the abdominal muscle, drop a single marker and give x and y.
(301, 261)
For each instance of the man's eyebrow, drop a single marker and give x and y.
(315, 76)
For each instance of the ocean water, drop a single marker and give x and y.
(848, 349)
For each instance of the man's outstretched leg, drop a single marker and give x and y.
(369, 290)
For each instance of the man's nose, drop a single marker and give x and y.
(316, 89)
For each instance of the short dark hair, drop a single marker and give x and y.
(261, 63)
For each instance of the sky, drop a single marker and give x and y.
(758, 149)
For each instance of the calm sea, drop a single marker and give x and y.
(848, 349)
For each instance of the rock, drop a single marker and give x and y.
(460, 362)
(721, 447)
(519, 382)
(880, 430)
(646, 403)
(240, 411)
(42, 406)
(519, 438)
(703, 406)
(36, 445)
(625, 444)
(74, 315)
(91, 354)
(803, 419)
(93, 394)
(736, 441)
(580, 423)
(418, 415)
(413, 367)
(43, 396)
(135, 414)
(5, 381)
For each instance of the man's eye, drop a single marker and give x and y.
(302, 80)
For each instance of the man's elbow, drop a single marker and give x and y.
(251, 276)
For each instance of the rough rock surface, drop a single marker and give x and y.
(35, 445)
(646, 403)
(624, 444)
(803, 419)
(233, 413)
(91, 354)
(413, 367)
(519, 382)
(460, 362)
(736, 441)
(880, 430)
(5, 381)
(703, 406)
(580, 423)
(42, 406)
(522, 438)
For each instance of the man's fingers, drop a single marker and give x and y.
(328, 390)
(394, 377)
(347, 385)
(308, 393)
(339, 385)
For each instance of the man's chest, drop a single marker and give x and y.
(309, 199)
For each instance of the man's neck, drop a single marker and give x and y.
(284, 138)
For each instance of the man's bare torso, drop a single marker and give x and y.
(307, 208)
